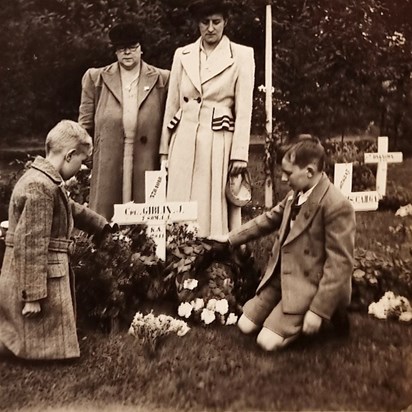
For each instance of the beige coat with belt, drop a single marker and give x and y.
(207, 124)
(316, 257)
(36, 266)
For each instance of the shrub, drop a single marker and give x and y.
(377, 273)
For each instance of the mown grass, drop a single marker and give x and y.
(218, 369)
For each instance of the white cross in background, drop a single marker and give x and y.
(361, 201)
(382, 158)
(156, 212)
(368, 200)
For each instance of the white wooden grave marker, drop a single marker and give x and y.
(382, 158)
(156, 212)
(361, 201)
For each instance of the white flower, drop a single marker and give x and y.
(404, 211)
(377, 310)
(190, 284)
(390, 305)
(183, 330)
(222, 306)
(185, 309)
(231, 319)
(211, 305)
(208, 316)
(151, 326)
(405, 317)
(197, 304)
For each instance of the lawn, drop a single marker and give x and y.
(218, 369)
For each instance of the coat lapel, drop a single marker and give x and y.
(111, 78)
(44, 166)
(308, 210)
(220, 59)
(191, 63)
(284, 230)
(148, 78)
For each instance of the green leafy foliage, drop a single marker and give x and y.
(330, 61)
(363, 177)
(221, 274)
(114, 280)
(377, 273)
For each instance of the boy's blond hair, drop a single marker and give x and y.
(68, 134)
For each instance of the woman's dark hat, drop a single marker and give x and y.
(202, 8)
(239, 189)
(124, 34)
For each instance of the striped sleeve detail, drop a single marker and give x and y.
(175, 120)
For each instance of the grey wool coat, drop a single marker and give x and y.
(101, 114)
(316, 256)
(36, 265)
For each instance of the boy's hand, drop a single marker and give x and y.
(219, 238)
(219, 243)
(311, 323)
(105, 234)
(31, 309)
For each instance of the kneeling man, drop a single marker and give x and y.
(308, 276)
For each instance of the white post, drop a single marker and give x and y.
(268, 99)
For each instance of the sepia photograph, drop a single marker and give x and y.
(205, 205)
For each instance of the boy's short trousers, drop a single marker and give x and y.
(265, 310)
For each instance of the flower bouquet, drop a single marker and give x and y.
(211, 297)
(211, 284)
(150, 329)
(391, 306)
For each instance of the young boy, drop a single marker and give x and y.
(308, 275)
(37, 303)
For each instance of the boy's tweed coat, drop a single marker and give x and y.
(36, 265)
(101, 114)
(316, 256)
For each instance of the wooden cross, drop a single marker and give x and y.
(156, 212)
(382, 158)
(361, 201)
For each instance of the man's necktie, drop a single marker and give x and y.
(295, 209)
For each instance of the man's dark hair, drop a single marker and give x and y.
(304, 151)
(203, 8)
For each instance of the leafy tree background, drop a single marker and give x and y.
(338, 65)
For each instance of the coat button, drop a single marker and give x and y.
(306, 251)
(306, 273)
(186, 99)
(143, 139)
(199, 100)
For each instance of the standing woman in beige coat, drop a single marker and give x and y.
(122, 106)
(206, 127)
